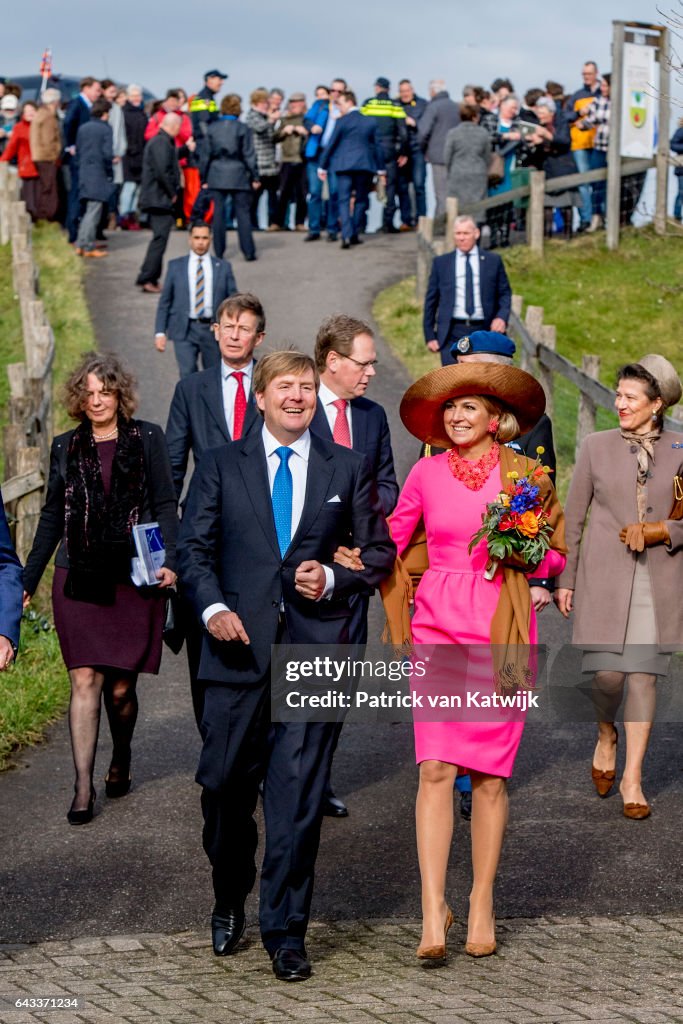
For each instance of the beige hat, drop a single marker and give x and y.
(422, 405)
(667, 379)
(9, 102)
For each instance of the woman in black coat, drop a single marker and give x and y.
(227, 166)
(108, 475)
(135, 120)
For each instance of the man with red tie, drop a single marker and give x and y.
(345, 358)
(212, 408)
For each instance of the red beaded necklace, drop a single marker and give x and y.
(474, 474)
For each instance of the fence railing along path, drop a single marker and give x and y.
(27, 436)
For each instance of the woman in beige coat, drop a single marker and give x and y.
(626, 571)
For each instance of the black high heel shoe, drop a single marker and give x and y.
(83, 816)
(120, 784)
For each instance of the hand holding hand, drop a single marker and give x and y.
(309, 580)
(564, 599)
(349, 558)
(227, 626)
(540, 598)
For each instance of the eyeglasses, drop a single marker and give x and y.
(363, 366)
(335, 90)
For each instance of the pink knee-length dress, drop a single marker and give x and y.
(454, 604)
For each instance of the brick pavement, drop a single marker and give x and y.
(549, 970)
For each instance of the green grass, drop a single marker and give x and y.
(615, 305)
(35, 691)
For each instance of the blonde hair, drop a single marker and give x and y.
(278, 364)
(508, 426)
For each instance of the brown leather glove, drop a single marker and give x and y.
(638, 536)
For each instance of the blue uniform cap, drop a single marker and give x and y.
(483, 341)
(382, 82)
(214, 73)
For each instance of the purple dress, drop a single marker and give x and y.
(126, 635)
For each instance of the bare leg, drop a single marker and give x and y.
(489, 821)
(84, 725)
(434, 824)
(608, 689)
(121, 703)
(639, 712)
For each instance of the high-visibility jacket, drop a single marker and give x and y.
(203, 110)
(390, 121)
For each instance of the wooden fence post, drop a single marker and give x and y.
(546, 376)
(28, 507)
(425, 237)
(533, 322)
(585, 421)
(451, 214)
(536, 212)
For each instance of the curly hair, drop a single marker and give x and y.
(109, 370)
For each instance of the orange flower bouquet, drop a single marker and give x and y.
(515, 525)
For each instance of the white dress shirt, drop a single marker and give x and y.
(460, 310)
(208, 283)
(333, 117)
(229, 387)
(326, 398)
(298, 465)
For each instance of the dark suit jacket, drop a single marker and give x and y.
(370, 432)
(227, 158)
(173, 311)
(196, 420)
(158, 504)
(229, 552)
(160, 173)
(496, 294)
(77, 113)
(11, 584)
(353, 146)
(94, 153)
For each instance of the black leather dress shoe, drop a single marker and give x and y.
(291, 965)
(226, 931)
(333, 807)
(345, 244)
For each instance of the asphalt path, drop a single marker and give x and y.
(139, 866)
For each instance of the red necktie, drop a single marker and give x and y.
(240, 406)
(341, 433)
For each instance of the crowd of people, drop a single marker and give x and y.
(314, 162)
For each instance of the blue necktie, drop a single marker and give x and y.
(469, 287)
(282, 499)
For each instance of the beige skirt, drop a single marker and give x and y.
(640, 646)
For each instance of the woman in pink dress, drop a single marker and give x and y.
(471, 409)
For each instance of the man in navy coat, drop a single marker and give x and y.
(468, 291)
(195, 286)
(345, 357)
(355, 156)
(210, 409)
(264, 518)
(94, 158)
(77, 114)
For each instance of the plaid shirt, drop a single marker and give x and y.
(263, 130)
(597, 116)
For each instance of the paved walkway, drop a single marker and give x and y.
(116, 913)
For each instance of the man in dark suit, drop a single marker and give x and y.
(94, 156)
(195, 287)
(468, 290)
(265, 516)
(158, 193)
(355, 156)
(210, 409)
(345, 357)
(77, 114)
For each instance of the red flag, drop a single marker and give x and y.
(46, 63)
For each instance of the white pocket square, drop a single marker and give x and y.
(331, 500)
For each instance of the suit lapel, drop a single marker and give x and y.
(320, 470)
(255, 476)
(184, 286)
(359, 431)
(449, 290)
(212, 395)
(320, 424)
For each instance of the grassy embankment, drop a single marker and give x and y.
(35, 691)
(616, 305)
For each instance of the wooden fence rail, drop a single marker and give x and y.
(27, 436)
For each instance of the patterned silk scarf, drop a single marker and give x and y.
(646, 454)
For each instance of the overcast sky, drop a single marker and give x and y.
(296, 45)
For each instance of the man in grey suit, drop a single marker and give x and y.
(441, 114)
(194, 288)
(210, 409)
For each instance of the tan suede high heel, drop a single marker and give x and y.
(435, 956)
(478, 949)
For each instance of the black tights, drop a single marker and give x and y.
(121, 705)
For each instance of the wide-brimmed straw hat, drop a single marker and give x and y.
(422, 405)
